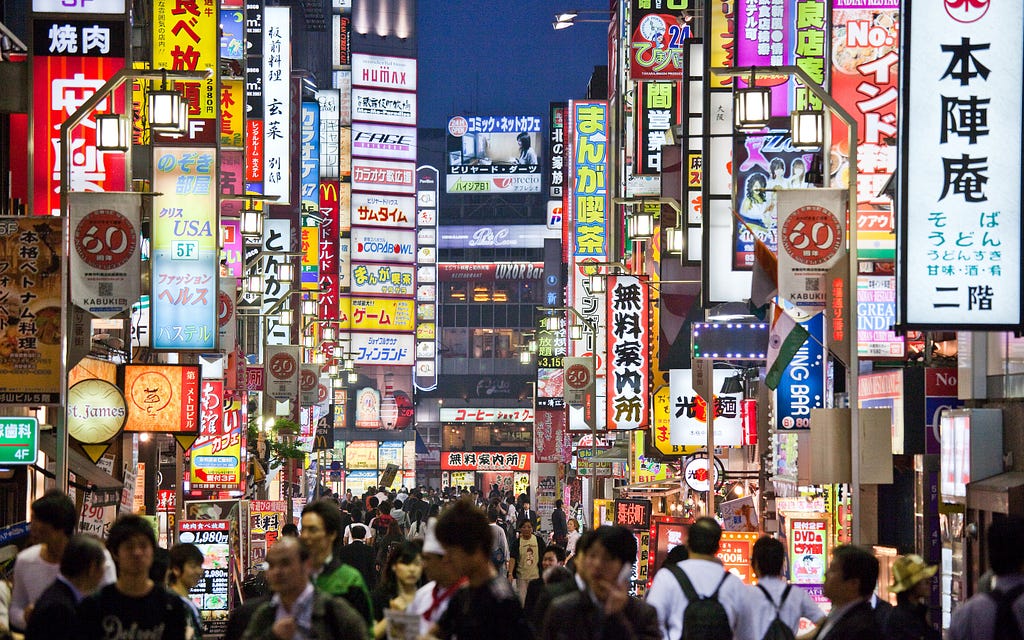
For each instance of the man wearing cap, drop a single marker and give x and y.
(912, 586)
(431, 600)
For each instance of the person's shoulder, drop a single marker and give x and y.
(28, 555)
(499, 589)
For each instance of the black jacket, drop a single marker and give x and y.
(909, 621)
(362, 557)
(576, 616)
(857, 624)
(54, 614)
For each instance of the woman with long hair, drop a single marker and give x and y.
(400, 577)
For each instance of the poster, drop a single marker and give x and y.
(808, 550)
(211, 593)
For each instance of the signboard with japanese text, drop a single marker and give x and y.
(394, 349)
(216, 457)
(812, 238)
(658, 111)
(425, 372)
(185, 249)
(383, 141)
(383, 72)
(277, 106)
(162, 398)
(309, 163)
(484, 461)
(493, 148)
(78, 6)
(629, 336)
(389, 107)
(734, 551)
(30, 351)
(803, 382)
(254, 98)
(105, 263)
(330, 132)
(261, 522)
(556, 148)
(232, 108)
(633, 513)
(385, 176)
(865, 56)
(186, 37)
(379, 314)
(383, 245)
(361, 454)
(211, 593)
(327, 302)
(68, 66)
(277, 238)
(960, 235)
(660, 28)
(369, 279)
(808, 550)
(688, 412)
(19, 440)
(472, 414)
(552, 441)
(282, 364)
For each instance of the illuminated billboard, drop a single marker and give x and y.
(383, 245)
(495, 154)
(389, 107)
(383, 141)
(383, 72)
(387, 176)
(384, 211)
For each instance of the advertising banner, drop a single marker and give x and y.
(961, 212)
(660, 29)
(386, 176)
(383, 141)
(629, 349)
(500, 153)
(79, 7)
(394, 349)
(552, 441)
(368, 279)
(282, 364)
(556, 147)
(526, 236)
(383, 72)
(105, 262)
(162, 398)
(62, 82)
(309, 163)
(277, 116)
(688, 412)
(658, 111)
(808, 550)
(486, 415)
(232, 110)
(876, 317)
(189, 39)
(484, 461)
(802, 387)
(812, 238)
(327, 302)
(254, 99)
(379, 314)
(864, 78)
(383, 245)
(389, 107)
(210, 595)
(330, 132)
(185, 250)
(427, 194)
(277, 239)
(262, 521)
(30, 282)
(217, 455)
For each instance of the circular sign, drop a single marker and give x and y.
(966, 11)
(151, 392)
(105, 239)
(577, 377)
(458, 126)
(812, 235)
(225, 309)
(282, 366)
(322, 393)
(308, 380)
(96, 411)
(695, 473)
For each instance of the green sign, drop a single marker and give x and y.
(19, 440)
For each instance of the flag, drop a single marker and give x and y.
(784, 340)
(764, 285)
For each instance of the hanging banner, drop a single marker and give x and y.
(629, 337)
(282, 364)
(552, 441)
(812, 238)
(277, 139)
(105, 262)
(962, 166)
(658, 112)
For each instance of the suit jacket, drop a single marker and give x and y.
(859, 623)
(548, 594)
(576, 616)
(361, 556)
(54, 614)
(241, 615)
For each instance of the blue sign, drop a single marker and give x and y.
(802, 387)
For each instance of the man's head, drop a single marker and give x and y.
(463, 531)
(288, 567)
(611, 549)
(704, 536)
(558, 503)
(358, 533)
(83, 562)
(554, 556)
(132, 543)
(186, 566)
(1005, 551)
(768, 556)
(53, 516)
(321, 527)
(852, 575)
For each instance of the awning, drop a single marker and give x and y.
(106, 489)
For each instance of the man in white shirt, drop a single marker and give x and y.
(51, 525)
(767, 560)
(706, 573)
(431, 600)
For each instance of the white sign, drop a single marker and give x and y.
(688, 413)
(389, 279)
(473, 414)
(105, 257)
(282, 376)
(961, 222)
(390, 107)
(383, 141)
(277, 71)
(383, 245)
(812, 238)
(500, 183)
(330, 133)
(383, 72)
(67, 7)
(384, 211)
(391, 349)
(386, 176)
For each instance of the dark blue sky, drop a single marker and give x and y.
(482, 57)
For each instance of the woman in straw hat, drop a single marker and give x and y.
(912, 586)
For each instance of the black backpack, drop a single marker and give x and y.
(1006, 627)
(777, 630)
(704, 617)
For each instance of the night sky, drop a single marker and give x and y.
(503, 58)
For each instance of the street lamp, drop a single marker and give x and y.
(808, 128)
(752, 105)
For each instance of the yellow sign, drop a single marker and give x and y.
(232, 120)
(662, 430)
(186, 38)
(379, 314)
(723, 39)
(643, 469)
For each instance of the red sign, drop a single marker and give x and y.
(734, 551)
(254, 378)
(552, 441)
(484, 461)
(629, 349)
(633, 514)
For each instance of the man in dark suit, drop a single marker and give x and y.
(850, 580)
(361, 556)
(81, 571)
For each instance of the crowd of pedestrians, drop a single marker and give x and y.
(461, 565)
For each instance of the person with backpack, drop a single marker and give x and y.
(999, 613)
(698, 598)
(912, 585)
(499, 548)
(777, 605)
